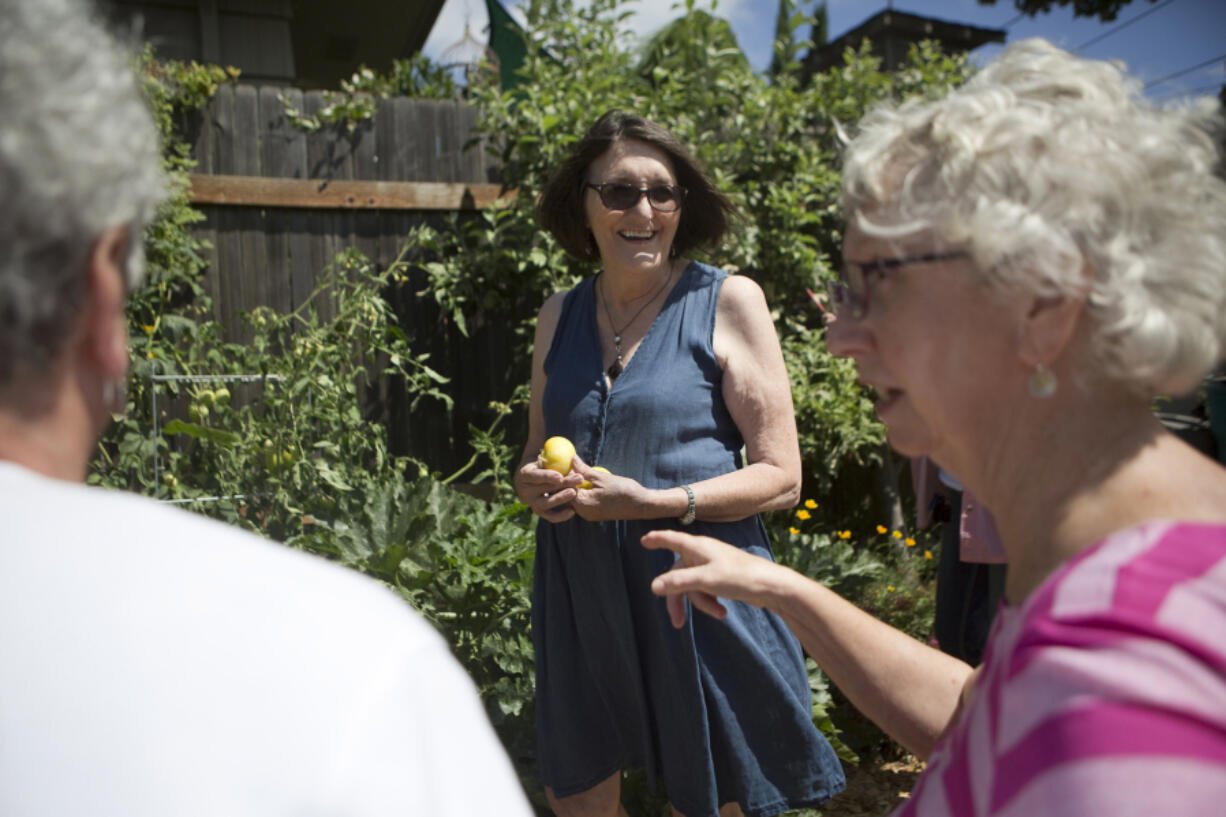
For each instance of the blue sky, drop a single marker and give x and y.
(1168, 37)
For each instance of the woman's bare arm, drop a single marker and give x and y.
(759, 399)
(547, 492)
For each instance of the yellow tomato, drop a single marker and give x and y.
(276, 459)
(556, 455)
(587, 484)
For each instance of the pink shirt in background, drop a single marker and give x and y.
(1104, 694)
(979, 541)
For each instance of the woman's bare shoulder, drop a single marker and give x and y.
(551, 310)
(741, 290)
(742, 305)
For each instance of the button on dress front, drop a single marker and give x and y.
(718, 711)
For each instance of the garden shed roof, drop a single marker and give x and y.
(891, 34)
(306, 43)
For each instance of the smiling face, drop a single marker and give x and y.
(638, 238)
(938, 347)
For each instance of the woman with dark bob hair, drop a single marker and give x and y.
(662, 370)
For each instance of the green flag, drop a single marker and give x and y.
(507, 43)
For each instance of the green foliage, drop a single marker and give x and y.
(1104, 10)
(671, 54)
(296, 440)
(355, 103)
(888, 573)
(465, 564)
(839, 425)
(873, 569)
(173, 260)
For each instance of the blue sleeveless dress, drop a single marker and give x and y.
(720, 710)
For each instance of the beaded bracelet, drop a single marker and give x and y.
(689, 512)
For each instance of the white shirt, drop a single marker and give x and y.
(154, 662)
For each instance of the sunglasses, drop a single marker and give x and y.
(849, 295)
(663, 198)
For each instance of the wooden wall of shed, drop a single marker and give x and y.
(253, 35)
(275, 256)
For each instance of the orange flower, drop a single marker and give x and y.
(927, 554)
(811, 504)
(882, 529)
(897, 534)
(793, 531)
(802, 514)
(844, 534)
(910, 542)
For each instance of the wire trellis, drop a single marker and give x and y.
(156, 429)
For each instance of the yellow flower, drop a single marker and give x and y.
(793, 531)
(897, 534)
(811, 504)
(844, 534)
(148, 328)
(882, 529)
(889, 588)
(927, 554)
(910, 542)
(802, 514)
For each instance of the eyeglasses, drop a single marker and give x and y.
(663, 198)
(849, 295)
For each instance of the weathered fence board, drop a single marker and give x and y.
(304, 197)
(267, 191)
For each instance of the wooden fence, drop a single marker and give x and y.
(279, 204)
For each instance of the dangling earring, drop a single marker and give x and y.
(1042, 382)
(115, 396)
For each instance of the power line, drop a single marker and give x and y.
(1187, 70)
(1012, 21)
(1204, 89)
(1122, 26)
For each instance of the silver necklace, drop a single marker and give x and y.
(619, 365)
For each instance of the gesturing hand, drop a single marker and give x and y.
(707, 570)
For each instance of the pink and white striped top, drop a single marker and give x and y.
(1104, 694)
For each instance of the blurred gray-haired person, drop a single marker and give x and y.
(155, 662)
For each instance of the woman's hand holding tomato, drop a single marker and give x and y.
(559, 485)
(609, 497)
(546, 491)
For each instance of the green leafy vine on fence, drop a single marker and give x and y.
(355, 103)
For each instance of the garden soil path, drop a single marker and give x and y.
(874, 789)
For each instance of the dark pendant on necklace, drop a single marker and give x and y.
(617, 366)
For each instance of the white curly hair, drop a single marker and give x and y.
(1044, 165)
(79, 154)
